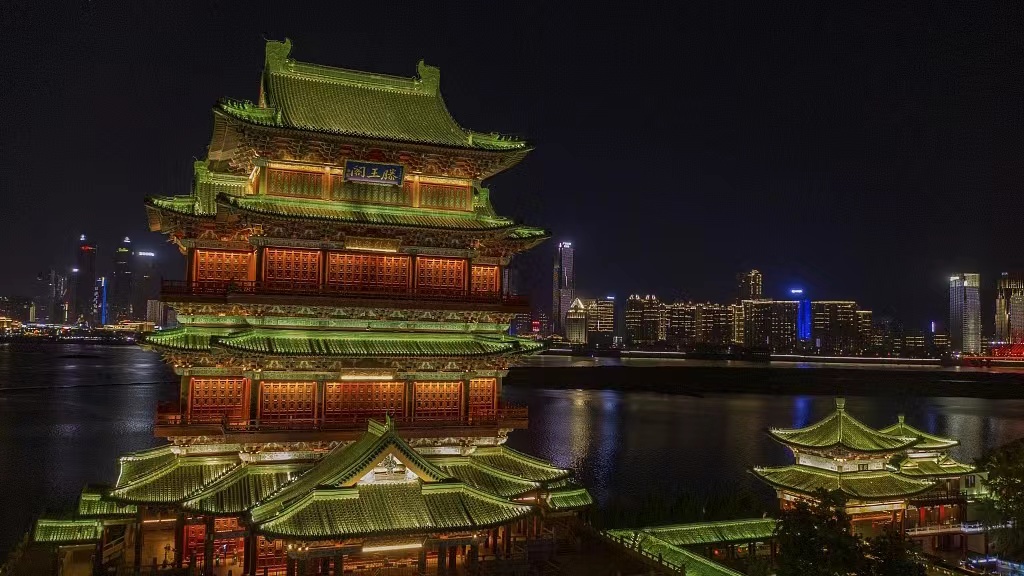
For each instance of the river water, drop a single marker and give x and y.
(68, 411)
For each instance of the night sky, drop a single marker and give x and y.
(859, 153)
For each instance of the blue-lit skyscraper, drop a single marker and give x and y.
(803, 314)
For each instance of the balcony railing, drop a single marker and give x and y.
(940, 495)
(167, 416)
(278, 288)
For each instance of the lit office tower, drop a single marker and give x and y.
(85, 281)
(646, 320)
(121, 284)
(965, 313)
(770, 324)
(145, 282)
(563, 286)
(863, 330)
(1010, 308)
(601, 321)
(576, 323)
(748, 286)
(100, 302)
(834, 326)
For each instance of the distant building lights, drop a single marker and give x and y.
(146, 253)
(74, 270)
(797, 291)
(127, 240)
(82, 238)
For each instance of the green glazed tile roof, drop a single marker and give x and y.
(344, 464)
(870, 485)
(703, 533)
(177, 480)
(481, 476)
(67, 531)
(518, 464)
(139, 464)
(569, 499)
(91, 504)
(682, 560)
(334, 100)
(336, 211)
(403, 507)
(925, 441)
(185, 339)
(839, 429)
(244, 487)
(186, 205)
(361, 344)
(931, 467)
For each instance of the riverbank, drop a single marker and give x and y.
(699, 380)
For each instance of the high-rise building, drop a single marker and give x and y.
(803, 314)
(576, 323)
(101, 301)
(85, 281)
(563, 286)
(770, 324)
(714, 324)
(738, 319)
(121, 290)
(834, 327)
(646, 320)
(601, 321)
(522, 324)
(965, 313)
(683, 324)
(145, 282)
(886, 337)
(863, 331)
(748, 286)
(50, 291)
(1010, 308)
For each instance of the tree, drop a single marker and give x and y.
(816, 539)
(888, 554)
(1005, 468)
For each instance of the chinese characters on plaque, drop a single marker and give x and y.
(373, 173)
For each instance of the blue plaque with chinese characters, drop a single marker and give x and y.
(373, 173)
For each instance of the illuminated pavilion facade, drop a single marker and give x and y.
(342, 342)
(898, 475)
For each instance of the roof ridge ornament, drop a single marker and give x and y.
(430, 76)
(840, 403)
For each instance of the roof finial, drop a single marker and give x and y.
(901, 418)
(840, 403)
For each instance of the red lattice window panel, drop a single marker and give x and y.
(440, 275)
(364, 399)
(222, 265)
(485, 279)
(446, 196)
(214, 399)
(368, 272)
(292, 266)
(295, 183)
(438, 400)
(287, 400)
(482, 396)
(195, 541)
(270, 554)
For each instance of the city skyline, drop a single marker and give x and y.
(757, 181)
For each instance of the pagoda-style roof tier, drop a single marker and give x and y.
(840, 431)
(392, 508)
(337, 494)
(683, 561)
(92, 504)
(315, 98)
(337, 344)
(67, 532)
(721, 532)
(873, 485)
(940, 467)
(925, 441)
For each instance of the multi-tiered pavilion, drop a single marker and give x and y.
(342, 342)
(898, 475)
